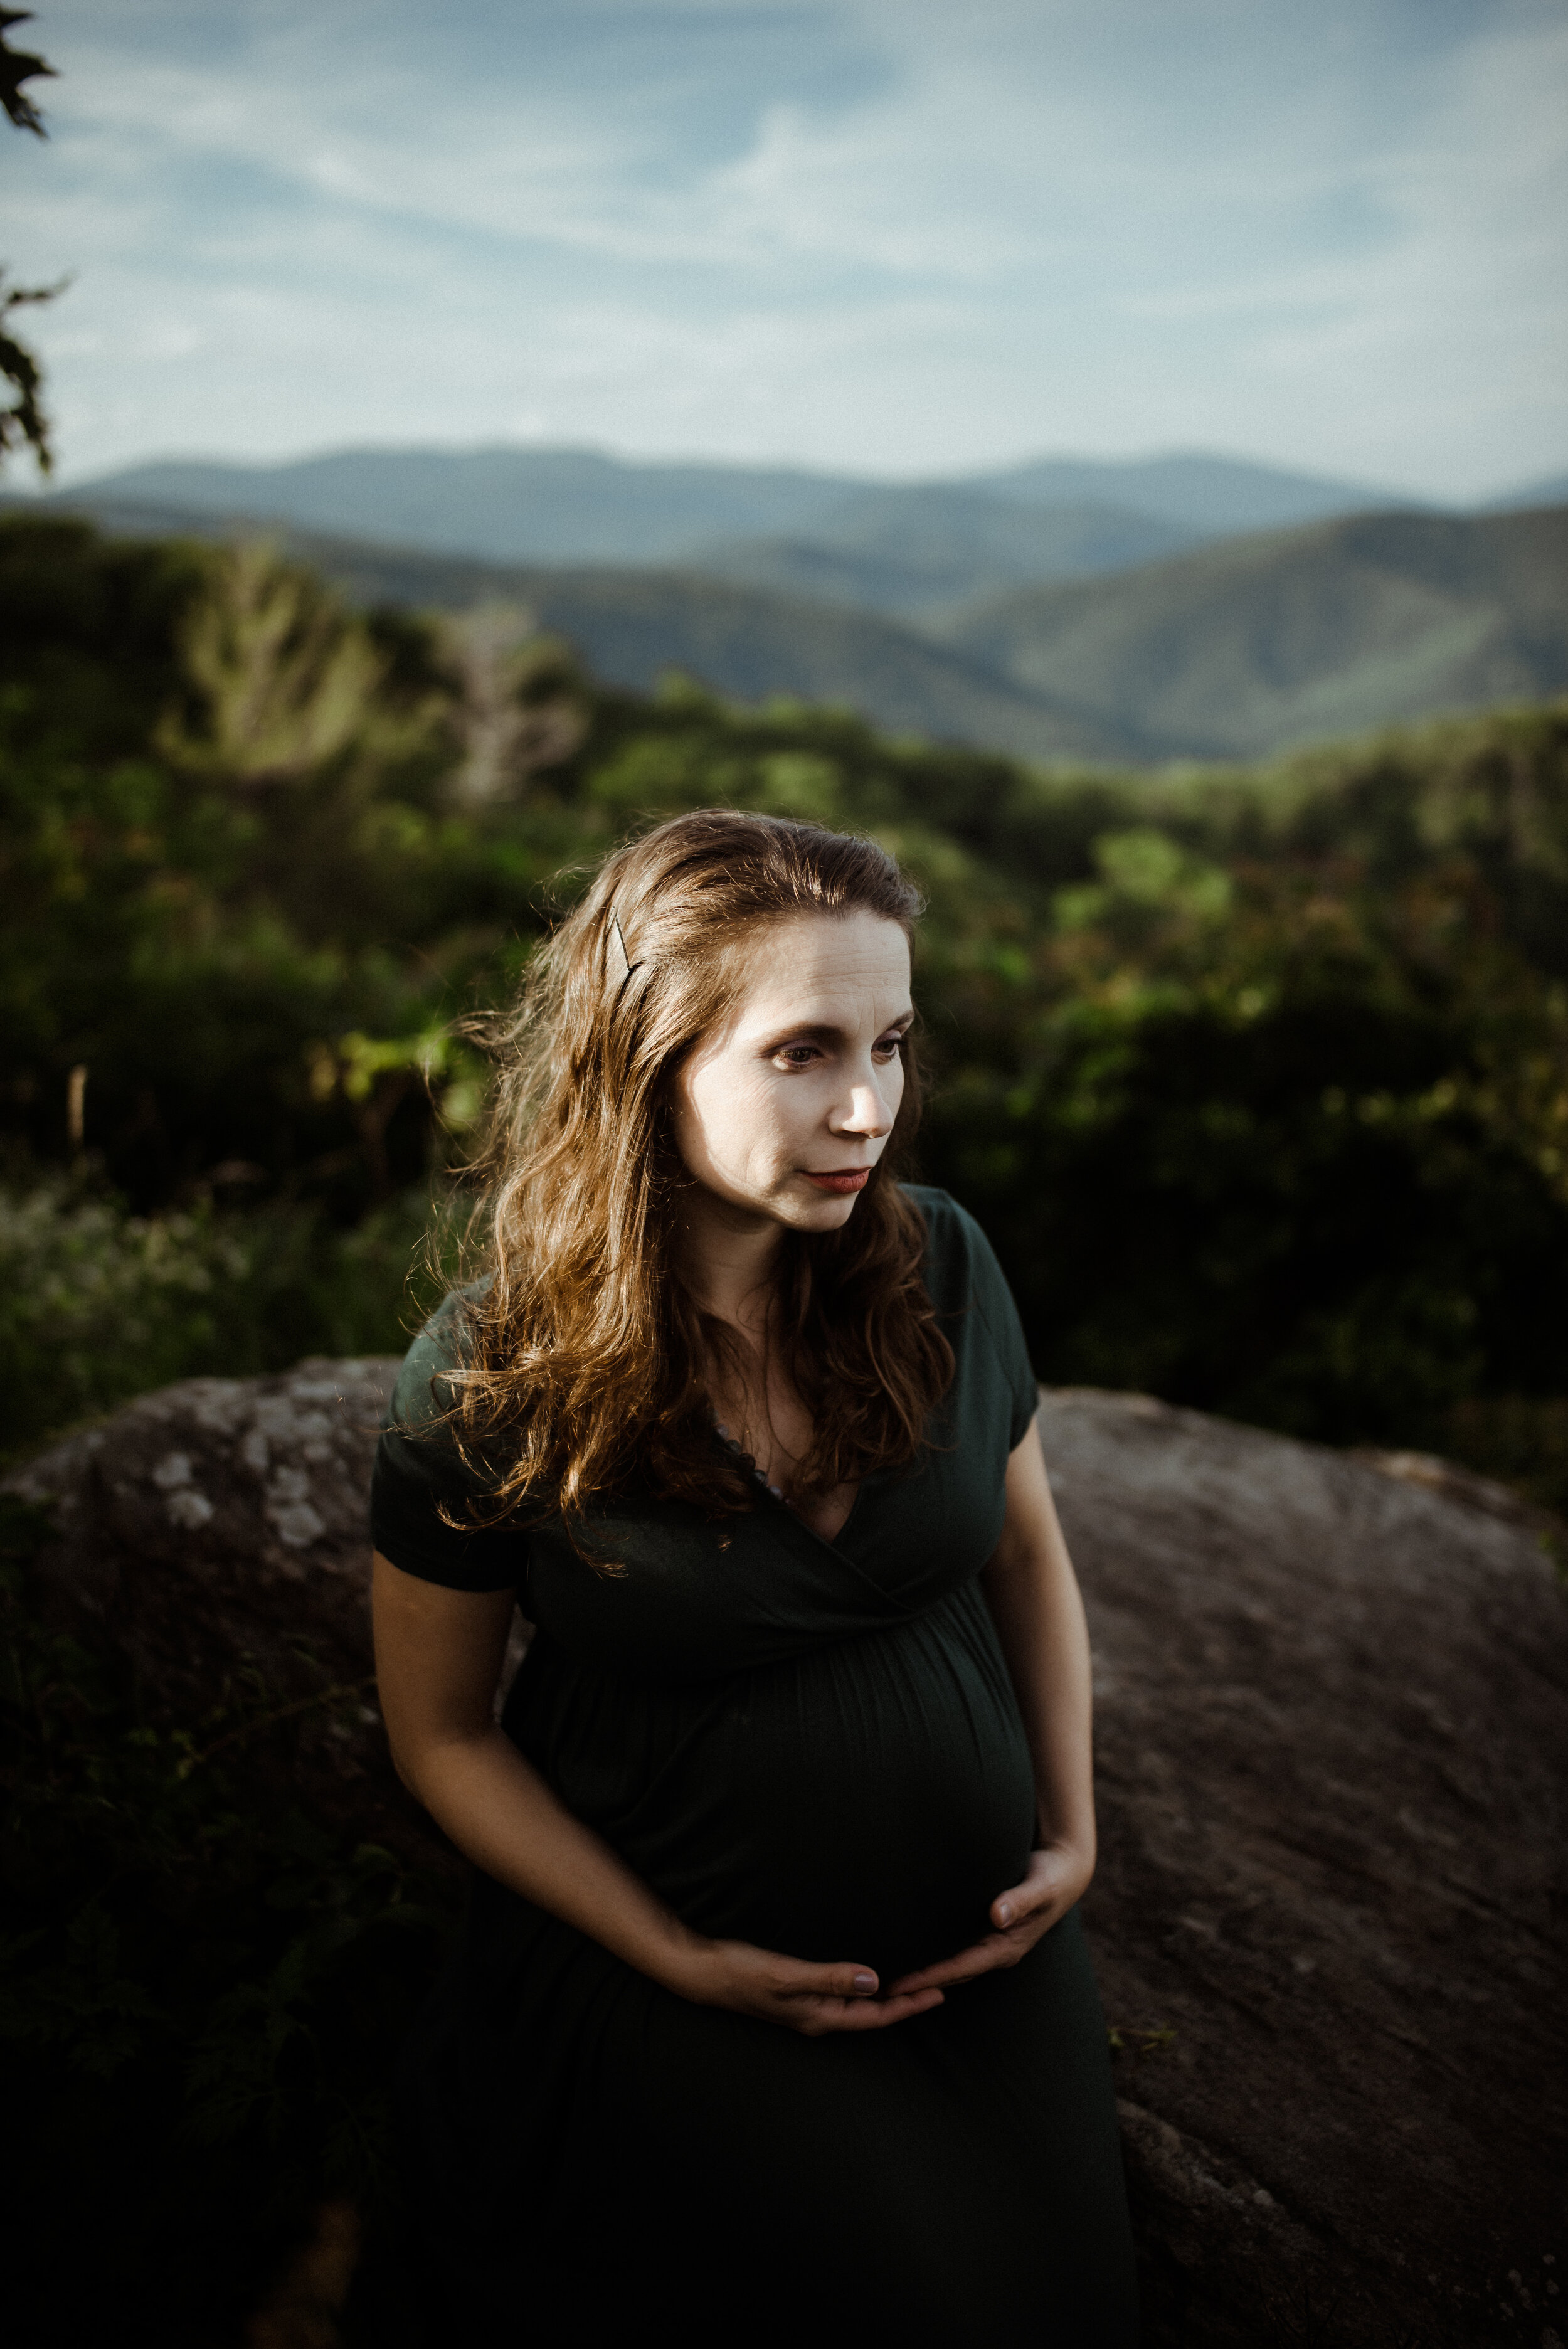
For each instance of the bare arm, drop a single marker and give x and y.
(438, 1661)
(1035, 1602)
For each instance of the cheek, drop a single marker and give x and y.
(763, 1126)
(731, 1121)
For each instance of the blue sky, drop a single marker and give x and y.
(894, 236)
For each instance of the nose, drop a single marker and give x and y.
(868, 1111)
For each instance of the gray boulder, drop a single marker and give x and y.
(1331, 1729)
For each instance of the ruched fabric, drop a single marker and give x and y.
(814, 1746)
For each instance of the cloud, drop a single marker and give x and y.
(879, 233)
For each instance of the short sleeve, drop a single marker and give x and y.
(418, 1474)
(964, 1277)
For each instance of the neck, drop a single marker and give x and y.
(726, 1256)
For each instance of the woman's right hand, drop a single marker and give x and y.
(811, 1999)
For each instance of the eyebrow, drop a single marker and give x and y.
(823, 1031)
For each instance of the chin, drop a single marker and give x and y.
(825, 1211)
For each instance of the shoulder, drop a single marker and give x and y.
(969, 1289)
(959, 1258)
(423, 1487)
(423, 1393)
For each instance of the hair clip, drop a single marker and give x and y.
(627, 964)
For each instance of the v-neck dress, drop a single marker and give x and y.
(811, 1745)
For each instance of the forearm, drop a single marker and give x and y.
(1044, 1639)
(502, 1816)
(1035, 1602)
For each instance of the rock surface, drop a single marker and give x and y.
(1332, 1714)
(215, 1533)
(1332, 1705)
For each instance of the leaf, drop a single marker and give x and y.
(24, 424)
(18, 66)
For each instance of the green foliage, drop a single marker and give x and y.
(287, 684)
(204, 1984)
(218, 798)
(1284, 1146)
(1260, 1082)
(97, 1305)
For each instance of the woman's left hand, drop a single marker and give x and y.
(1058, 1875)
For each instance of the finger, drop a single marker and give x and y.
(1021, 1900)
(980, 1958)
(846, 1982)
(867, 2015)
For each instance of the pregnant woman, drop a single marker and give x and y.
(771, 2021)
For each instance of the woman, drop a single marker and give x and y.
(772, 2021)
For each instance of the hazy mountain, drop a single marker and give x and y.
(1247, 646)
(1552, 493)
(919, 552)
(1214, 496)
(567, 505)
(534, 506)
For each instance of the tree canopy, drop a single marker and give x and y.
(1259, 1080)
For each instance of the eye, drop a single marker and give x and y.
(888, 1047)
(797, 1056)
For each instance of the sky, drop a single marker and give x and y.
(894, 237)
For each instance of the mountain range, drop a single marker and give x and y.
(916, 543)
(1186, 606)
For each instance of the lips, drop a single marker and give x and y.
(847, 1179)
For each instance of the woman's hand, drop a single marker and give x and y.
(1058, 1875)
(811, 1999)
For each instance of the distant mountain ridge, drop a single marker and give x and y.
(1552, 492)
(896, 546)
(507, 505)
(1210, 496)
(922, 558)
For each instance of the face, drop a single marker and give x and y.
(782, 1114)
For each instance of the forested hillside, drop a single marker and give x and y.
(1235, 651)
(1296, 636)
(1258, 1080)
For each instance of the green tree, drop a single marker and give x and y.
(283, 681)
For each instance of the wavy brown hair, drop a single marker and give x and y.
(583, 1365)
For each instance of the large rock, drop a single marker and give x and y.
(215, 1533)
(1331, 1706)
(1329, 1916)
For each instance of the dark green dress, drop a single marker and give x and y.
(814, 1746)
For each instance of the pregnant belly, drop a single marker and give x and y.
(864, 1801)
